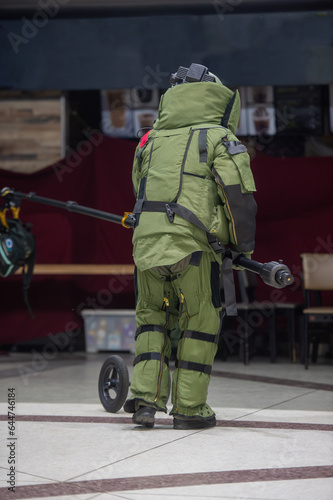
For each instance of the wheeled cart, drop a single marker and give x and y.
(113, 383)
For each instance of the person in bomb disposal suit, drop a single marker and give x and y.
(194, 188)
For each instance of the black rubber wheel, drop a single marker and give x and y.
(113, 383)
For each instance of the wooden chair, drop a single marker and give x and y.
(257, 317)
(254, 315)
(290, 312)
(269, 311)
(317, 275)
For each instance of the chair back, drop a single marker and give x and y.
(317, 271)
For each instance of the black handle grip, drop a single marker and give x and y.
(275, 274)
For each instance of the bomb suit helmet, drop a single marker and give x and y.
(195, 73)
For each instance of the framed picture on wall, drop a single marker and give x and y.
(126, 112)
(299, 109)
(143, 120)
(260, 110)
(32, 130)
(117, 115)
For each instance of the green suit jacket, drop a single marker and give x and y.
(191, 159)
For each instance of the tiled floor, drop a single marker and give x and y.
(273, 441)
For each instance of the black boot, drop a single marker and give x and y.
(145, 415)
(194, 423)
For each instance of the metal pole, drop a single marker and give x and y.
(70, 206)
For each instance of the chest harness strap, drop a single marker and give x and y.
(173, 208)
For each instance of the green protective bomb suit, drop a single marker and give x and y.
(191, 158)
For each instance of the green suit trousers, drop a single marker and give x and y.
(186, 292)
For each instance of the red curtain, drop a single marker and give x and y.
(295, 214)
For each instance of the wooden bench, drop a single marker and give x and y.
(83, 269)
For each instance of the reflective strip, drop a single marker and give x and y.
(205, 337)
(197, 367)
(11, 266)
(4, 256)
(150, 355)
(8, 272)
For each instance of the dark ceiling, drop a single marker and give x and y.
(11, 9)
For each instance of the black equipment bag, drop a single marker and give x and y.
(17, 249)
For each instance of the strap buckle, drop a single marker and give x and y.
(170, 213)
(217, 246)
